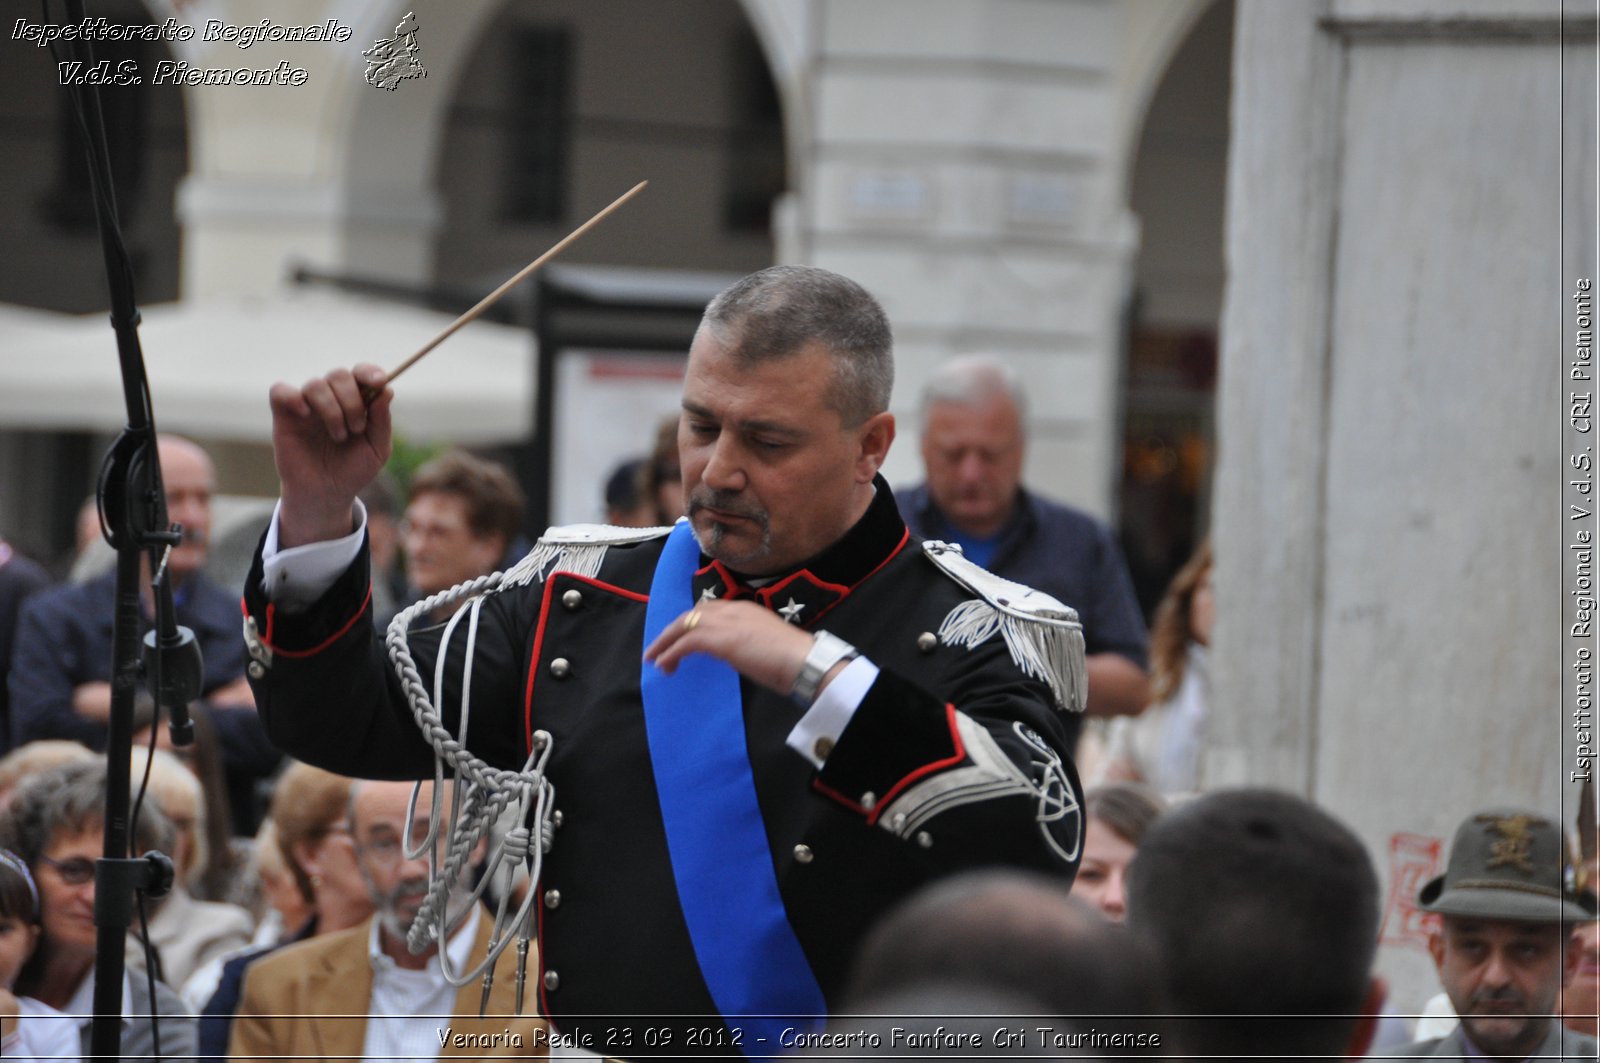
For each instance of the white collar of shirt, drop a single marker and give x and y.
(410, 1011)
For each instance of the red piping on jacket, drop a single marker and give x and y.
(272, 616)
(920, 773)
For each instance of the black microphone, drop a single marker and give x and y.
(172, 661)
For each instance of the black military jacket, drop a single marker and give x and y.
(955, 759)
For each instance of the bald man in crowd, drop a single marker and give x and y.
(61, 668)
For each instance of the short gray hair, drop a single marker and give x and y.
(774, 313)
(971, 380)
(69, 799)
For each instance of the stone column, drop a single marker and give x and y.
(960, 165)
(1389, 512)
(333, 173)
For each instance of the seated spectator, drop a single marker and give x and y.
(310, 819)
(29, 1029)
(280, 913)
(1118, 815)
(285, 910)
(363, 992)
(218, 874)
(1504, 945)
(61, 672)
(56, 825)
(186, 932)
(465, 512)
(32, 758)
(311, 811)
(1162, 745)
(1263, 912)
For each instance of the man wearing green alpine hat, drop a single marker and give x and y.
(1503, 949)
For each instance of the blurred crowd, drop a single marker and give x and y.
(1200, 923)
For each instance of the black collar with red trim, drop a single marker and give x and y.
(805, 594)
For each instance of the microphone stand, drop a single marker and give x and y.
(133, 516)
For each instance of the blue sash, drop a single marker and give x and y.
(727, 887)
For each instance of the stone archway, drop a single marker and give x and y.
(390, 206)
(55, 259)
(561, 106)
(364, 181)
(1176, 181)
(782, 31)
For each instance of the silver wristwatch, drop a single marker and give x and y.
(826, 651)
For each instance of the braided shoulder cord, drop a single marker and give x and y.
(480, 795)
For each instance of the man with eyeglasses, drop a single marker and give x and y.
(361, 992)
(464, 514)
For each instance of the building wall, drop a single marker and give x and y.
(1389, 515)
(660, 101)
(968, 160)
(336, 174)
(1176, 191)
(961, 166)
(1177, 185)
(54, 259)
(965, 159)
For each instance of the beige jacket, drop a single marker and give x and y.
(310, 1001)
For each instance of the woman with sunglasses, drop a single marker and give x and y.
(55, 823)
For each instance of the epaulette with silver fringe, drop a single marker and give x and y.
(1044, 636)
(576, 548)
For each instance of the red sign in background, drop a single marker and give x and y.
(1413, 860)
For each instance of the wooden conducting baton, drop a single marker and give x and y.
(368, 393)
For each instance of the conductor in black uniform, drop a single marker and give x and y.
(760, 727)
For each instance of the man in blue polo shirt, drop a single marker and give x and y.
(972, 451)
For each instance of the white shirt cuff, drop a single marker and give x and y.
(814, 736)
(295, 578)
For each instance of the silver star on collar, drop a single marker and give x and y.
(791, 612)
(709, 594)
